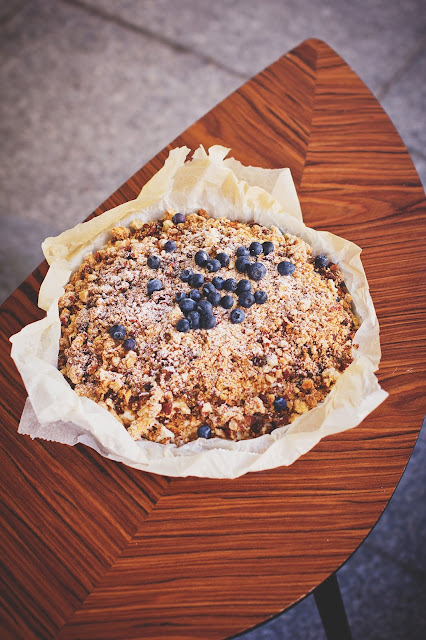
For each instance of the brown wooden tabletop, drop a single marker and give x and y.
(93, 549)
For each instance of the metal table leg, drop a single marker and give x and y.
(331, 609)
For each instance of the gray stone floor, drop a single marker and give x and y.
(92, 89)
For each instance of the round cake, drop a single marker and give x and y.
(195, 326)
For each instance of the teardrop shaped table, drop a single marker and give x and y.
(92, 549)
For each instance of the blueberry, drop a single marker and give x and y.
(196, 280)
(223, 259)
(237, 315)
(242, 263)
(129, 344)
(321, 261)
(194, 294)
(153, 262)
(178, 218)
(256, 271)
(227, 302)
(209, 288)
(242, 251)
(214, 298)
(170, 246)
(218, 282)
(213, 265)
(201, 258)
(255, 249)
(205, 308)
(194, 319)
(204, 431)
(267, 247)
(183, 325)
(280, 404)
(286, 268)
(117, 331)
(230, 284)
(243, 286)
(260, 297)
(180, 296)
(185, 275)
(207, 321)
(187, 304)
(154, 285)
(246, 300)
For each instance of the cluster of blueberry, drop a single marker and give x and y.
(118, 332)
(192, 305)
(256, 270)
(198, 312)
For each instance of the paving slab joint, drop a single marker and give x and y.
(9, 15)
(414, 54)
(143, 31)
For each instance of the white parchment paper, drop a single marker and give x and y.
(225, 188)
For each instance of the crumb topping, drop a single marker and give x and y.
(130, 344)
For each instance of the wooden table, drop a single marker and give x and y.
(92, 549)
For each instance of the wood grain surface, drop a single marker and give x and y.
(92, 549)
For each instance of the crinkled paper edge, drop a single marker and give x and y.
(225, 188)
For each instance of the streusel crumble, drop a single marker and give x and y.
(194, 326)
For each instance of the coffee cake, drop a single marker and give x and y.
(195, 326)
